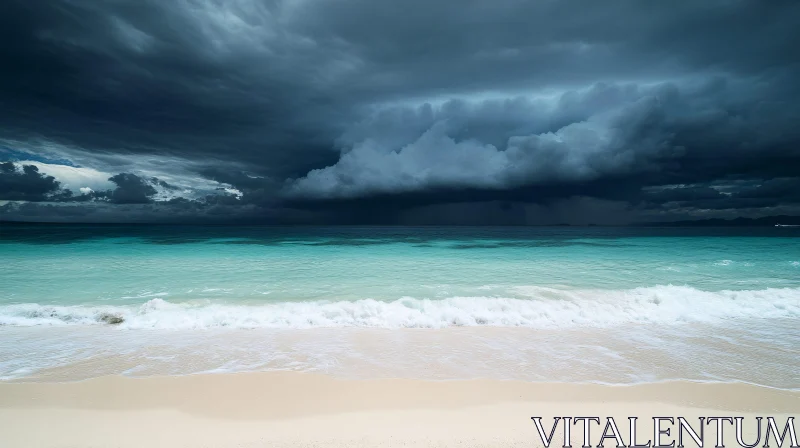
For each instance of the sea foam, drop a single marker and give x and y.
(544, 308)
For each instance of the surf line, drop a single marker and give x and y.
(661, 432)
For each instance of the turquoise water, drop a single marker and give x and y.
(254, 265)
(136, 280)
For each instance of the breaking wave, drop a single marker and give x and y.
(544, 308)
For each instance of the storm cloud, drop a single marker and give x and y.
(357, 111)
(25, 183)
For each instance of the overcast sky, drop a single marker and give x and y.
(398, 112)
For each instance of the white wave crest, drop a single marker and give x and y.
(546, 308)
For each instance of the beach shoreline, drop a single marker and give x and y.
(301, 409)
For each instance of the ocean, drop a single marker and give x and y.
(615, 305)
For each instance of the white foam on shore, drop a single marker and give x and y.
(545, 308)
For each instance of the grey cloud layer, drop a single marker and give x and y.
(580, 136)
(321, 105)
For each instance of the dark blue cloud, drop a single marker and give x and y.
(348, 110)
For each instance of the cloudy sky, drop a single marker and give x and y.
(398, 112)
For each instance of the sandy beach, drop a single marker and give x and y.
(377, 223)
(294, 409)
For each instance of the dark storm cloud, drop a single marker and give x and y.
(404, 111)
(750, 194)
(192, 79)
(25, 183)
(131, 189)
(636, 130)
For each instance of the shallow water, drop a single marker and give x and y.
(615, 305)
